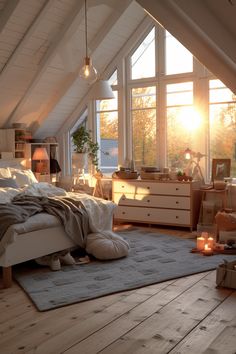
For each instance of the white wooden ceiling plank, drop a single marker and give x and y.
(93, 46)
(59, 39)
(7, 12)
(31, 7)
(35, 44)
(12, 37)
(26, 38)
(16, 27)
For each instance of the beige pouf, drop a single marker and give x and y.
(106, 245)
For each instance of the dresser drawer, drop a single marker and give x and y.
(154, 201)
(133, 187)
(142, 187)
(150, 215)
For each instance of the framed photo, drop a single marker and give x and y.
(220, 169)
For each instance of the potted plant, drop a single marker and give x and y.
(180, 175)
(84, 146)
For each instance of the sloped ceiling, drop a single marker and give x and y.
(42, 47)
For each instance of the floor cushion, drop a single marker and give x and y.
(106, 245)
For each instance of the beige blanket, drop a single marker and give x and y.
(71, 213)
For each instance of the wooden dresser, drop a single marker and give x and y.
(157, 202)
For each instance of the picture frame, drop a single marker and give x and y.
(220, 169)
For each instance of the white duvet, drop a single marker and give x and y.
(100, 212)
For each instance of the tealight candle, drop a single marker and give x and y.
(200, 243)
(207, 250)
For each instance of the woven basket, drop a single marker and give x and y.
(127, 174)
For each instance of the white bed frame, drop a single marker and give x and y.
(32, 245)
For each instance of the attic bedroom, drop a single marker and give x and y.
(117, 176)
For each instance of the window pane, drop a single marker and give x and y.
(180, 94)
(184, 124)
(144, 126)
(144, 137)
(108, 141)
(143, 97)
(223, 133)
(178, 58)
(184, 127)
(107, 121)
(113, 79)
(108, 105)
(219, 92)
(108, 125)
(222, 123)
(143, 59)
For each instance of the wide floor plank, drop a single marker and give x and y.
(165, 328)
(216, 333)
(183, 316)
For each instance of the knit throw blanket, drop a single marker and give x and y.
(70, 212)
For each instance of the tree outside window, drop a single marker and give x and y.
(222, 112)
(144, 126)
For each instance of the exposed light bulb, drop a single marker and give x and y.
(88, 71)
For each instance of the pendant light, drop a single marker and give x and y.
(101, 90)
(88, 71)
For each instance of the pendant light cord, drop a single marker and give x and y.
(86, 31)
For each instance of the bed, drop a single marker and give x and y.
(42, 234)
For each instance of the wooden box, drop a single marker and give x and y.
(226, 275)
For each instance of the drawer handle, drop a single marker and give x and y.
(122, 186)
(148, 214)
(148, 187)
(123, 212)
(148, 200)
(176, 217)
(176, 188)
(176, 202)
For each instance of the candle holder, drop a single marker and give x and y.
(208, 251)
(205, 244)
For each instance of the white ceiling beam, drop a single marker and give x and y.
(61, 38)
(27, 36)
(6, 13)
(93, 45)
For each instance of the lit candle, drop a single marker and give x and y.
(207, 250)
(200, 243)
(210, 242)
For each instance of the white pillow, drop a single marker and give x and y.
(106, 245)
(23, 177)
(5, 172)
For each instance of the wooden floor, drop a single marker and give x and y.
(188, 315)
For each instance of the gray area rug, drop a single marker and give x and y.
(153, 258)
